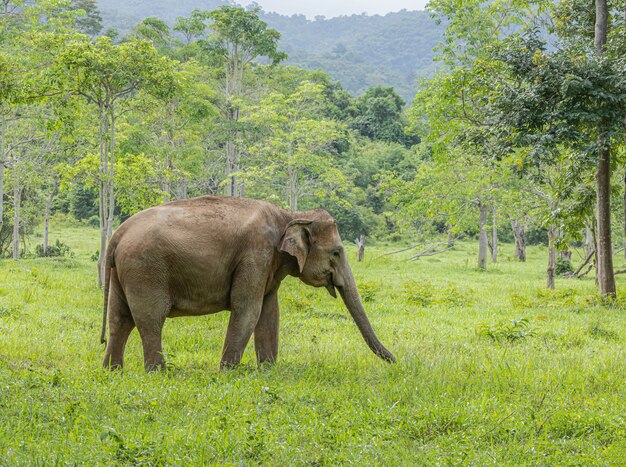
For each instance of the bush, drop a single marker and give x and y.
(94, 221)
(563, 266)
(512, 331)
(58, 248)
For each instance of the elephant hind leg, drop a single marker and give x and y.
(120, 325)
(149, 308)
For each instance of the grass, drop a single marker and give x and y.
(492, 370)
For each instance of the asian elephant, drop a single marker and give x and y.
(212, 253)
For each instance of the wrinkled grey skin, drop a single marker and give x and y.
(204, 255)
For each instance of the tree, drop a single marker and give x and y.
(295, 151)
(569, 99)
(24, 82)
(381, 115)
(606, 278)
(154, 30)
(452, 110)
(237, 38)
(90, 21)
(173, 131)
(105, 76)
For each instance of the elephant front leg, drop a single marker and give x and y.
(240, 328)
(246, 303)
(266, 331)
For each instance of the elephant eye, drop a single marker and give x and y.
(336, 253)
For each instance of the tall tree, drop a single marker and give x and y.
(295, 148)
(606, 278)
(237, 38)
(568, 99)
(380, 115)
(106, 75)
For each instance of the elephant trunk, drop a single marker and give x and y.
(350, 295)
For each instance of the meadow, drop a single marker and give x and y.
(493, 369)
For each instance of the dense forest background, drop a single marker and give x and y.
(359, 51)
(514, 133)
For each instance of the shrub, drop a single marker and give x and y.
(367, 290)
(515, 330)
(58, 248)
(563, 266)
(94, 221)
(426, 294)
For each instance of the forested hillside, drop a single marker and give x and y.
(358, 50)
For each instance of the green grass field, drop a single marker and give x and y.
(492, 370)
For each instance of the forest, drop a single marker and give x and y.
(518, 137)
(492, 209)
(357, 50)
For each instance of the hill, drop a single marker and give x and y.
(358, 50)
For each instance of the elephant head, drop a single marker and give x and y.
(322, 262)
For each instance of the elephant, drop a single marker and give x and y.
(203, 255)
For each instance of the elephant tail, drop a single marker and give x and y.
(107, 279)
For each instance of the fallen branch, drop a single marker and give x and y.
(426, 252)
(620, 271)
(586, 272)
(429, 253)
(398, 251)
(587, 259)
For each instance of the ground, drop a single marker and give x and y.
(492, 370)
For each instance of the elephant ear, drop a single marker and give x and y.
(295, 241)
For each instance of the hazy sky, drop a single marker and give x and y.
(330, 8)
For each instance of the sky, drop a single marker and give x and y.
(331, 8)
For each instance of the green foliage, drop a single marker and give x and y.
(380, 115)
(83, 202)
(512, 331)
(425, 294)
(297, 152)
(136, 181)
(58, 248)
(560, 98)
(90, 21)
(238, 35)
(563, 266)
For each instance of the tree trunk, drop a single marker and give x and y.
(552, 236)
(111, 159)
(185, 187)
(565, 255)
(606, 278)
(601, 26)
(292, 189)
(360, 242)
(46, 224)
(103, 192)
(519, 233)
(231, 168)
(483, 241)
(232, 156)
(590, 243)
(494, 238)
(3, 130)
(624, 239)
(17, 202)
(450, 237)
(167, 188)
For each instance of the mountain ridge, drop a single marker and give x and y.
(359, 51)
